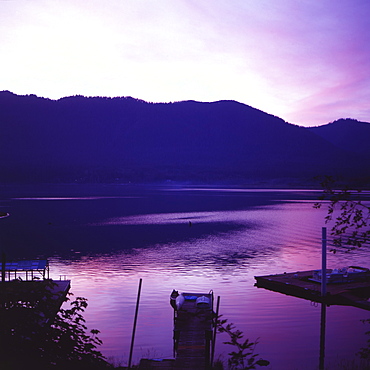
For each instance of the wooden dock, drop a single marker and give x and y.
(27, 283)
(193, 328)
(298, 284)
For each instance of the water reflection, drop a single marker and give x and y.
(237, 217)
(322, 337)
(106, 244)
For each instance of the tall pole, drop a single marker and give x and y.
(215, 331)
(134, 327)
(323, 263)
(322, 336)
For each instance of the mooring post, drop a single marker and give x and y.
(322, 337)
(215, 331)
(3, 263)
(134, 327)
(323, 263)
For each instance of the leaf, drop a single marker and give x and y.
(262, 362)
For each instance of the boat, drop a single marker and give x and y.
(193, 332)
(342, 275)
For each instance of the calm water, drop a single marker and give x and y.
(105, 238)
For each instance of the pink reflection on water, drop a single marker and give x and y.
(285, 237)
(239, 217)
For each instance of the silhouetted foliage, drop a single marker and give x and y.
(365, 351)
(350, 214)
(34, 334)
(243, 357)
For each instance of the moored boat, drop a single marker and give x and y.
(342, 275)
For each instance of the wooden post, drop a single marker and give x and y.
(215, 331)
(322, 337)
(323, 263)
(134, 327)
(3, 261)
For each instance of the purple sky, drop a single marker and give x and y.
(305, 61)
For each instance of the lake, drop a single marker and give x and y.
(104, 238)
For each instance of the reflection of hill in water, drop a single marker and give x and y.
(248, 233)
(229, 227)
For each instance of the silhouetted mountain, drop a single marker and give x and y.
(125, 139)
(348, 134)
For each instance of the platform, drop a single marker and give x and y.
(193, 327)
(26, 283)
(299, 284)
(25, 270)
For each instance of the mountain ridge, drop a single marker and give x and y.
(126, 139)
(346, 133)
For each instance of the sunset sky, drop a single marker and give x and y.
(305, 61)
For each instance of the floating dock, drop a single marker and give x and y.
(29, 281)
(302, 284)
(193, 329)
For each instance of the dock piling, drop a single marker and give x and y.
(322, 336)
(134, 326)
(215, 331)
(323, 263)
(3, 262)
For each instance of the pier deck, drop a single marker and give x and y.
(193, 324)
(28, 281)
(298, 284)
(47, 296)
